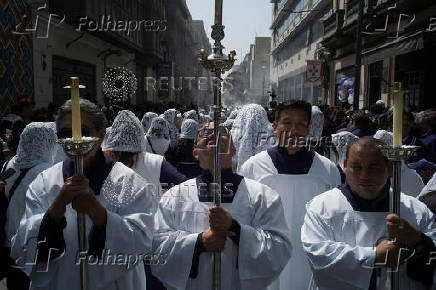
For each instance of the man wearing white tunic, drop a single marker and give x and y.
(297, 175)
(249, 230)
(118, 213)
(350, 237)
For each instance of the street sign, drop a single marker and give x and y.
(314, 70)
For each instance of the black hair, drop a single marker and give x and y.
(362, 120)
(409, 116)
(367, 142)
(294, 105)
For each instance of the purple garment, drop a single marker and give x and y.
(380, 204)
(299, 163)
(429, 143)
(96, 174)
(421, 153)
(229, 183)
(363, 132)
(169, 175)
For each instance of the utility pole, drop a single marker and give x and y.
(358, 63)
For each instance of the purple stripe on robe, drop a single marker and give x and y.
(299, 163)
(229, 182)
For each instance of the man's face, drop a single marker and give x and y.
(88, 130)
(292, 126)
(204, 148)
(366, 171)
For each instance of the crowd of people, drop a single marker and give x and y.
(306, 198)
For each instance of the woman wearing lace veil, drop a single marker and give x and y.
(146, 120)
(250, 133)
(125, 143)
(35, 153)
(174, 124)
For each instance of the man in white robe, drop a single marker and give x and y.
(249, 230)
(297, 174)
(118, 213)
(351, 239)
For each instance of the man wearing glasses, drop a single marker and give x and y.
(249, 230)
(46, 244)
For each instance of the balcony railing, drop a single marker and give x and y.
(334, 23)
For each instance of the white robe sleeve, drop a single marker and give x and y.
(24, 242)
(334, 263)
(176, 247)
(264, 247)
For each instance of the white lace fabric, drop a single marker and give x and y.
(250, 132)
(384, 136)
(342, 140)
(316, 123)
(159, 128)
(189, 129)
(192, 114)
(169, 116)
(37, 145)
(126, 134)
(146, 120)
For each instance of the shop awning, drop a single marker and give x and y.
(398, 46)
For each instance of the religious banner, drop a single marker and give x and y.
(314, 70)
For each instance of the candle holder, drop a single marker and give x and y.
(78, 148)
(397, 155)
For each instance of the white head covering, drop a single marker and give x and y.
(37, 145)
(189, 129)
(384, 136)
(104, 143)
(430, 187)
(250, 132)
(159, 128)
(342, 140)
(146, 120)
(233, 115)
(192, 114)
(158, 135)
(126, 134)
(169, 115)
(316, 123)
(59, 153)
(204, 119)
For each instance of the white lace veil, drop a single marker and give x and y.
(342, 140)
(384, 136)
(125, 135)
(37, 145)
(146, 120)
(316, 123)
(159, 128)
(169, 116)
(192, 114)
(189, 129)
(250, 132)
